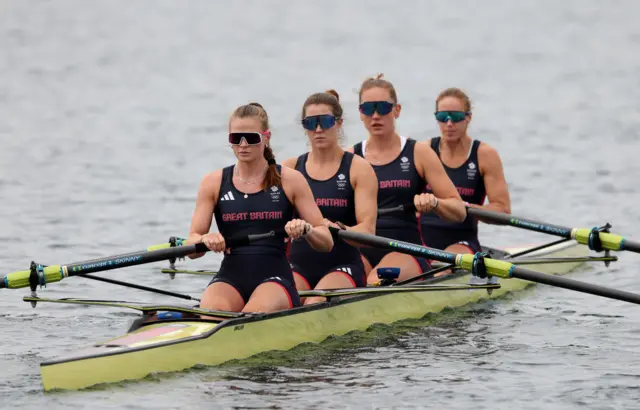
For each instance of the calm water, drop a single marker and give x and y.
(111, 112)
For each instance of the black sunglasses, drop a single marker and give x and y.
(251, 138)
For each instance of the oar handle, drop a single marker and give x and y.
(408, 207)
(55, 273)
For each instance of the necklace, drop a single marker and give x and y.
(250, 181)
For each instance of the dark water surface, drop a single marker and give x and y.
(111, 112)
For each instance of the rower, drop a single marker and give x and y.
(403, 167)
(475, 169)
(254, 196)
(345, 189)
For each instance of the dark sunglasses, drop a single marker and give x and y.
(381, 107)
(454, 116)
(251, 138)
(325, 122)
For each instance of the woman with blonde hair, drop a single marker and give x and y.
(403, 168)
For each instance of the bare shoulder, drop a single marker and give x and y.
(350, 149)
(362, 168)
(290, 162)
(423, 149)
(487, 153)
(291, 176)
(210, 185)
(212, 179)
(293, 183)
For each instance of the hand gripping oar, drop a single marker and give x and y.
(40, 275)
(481, 266)
(596, 240)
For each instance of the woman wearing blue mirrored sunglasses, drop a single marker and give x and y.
(403, 168)
(345, 189)
(475, 169)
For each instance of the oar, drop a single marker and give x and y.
(142, 307)
(328, 293)
(595, 240)
(40, 275)
(485, 266)
(140, 287)
(189, 272)
(409, 207)
(568, 259)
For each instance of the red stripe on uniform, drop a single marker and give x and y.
(353, 282)
(286, 291)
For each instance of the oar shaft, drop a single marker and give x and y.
(140, 287)
(404, 247)
(523, 223)
(632, 246)
(575, 285)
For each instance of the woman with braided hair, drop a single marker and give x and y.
(256, 195)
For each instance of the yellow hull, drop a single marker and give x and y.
(181, 344)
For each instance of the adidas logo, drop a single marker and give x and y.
(227, 197)
(345, 270)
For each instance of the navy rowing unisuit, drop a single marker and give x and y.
(335, 198)
(238, 214)
(438, 233)
(398, 183)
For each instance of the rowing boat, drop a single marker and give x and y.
(168, 338)
(167, 342)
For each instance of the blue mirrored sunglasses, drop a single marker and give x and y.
(381, 107)
(454, 116)
(325, 122)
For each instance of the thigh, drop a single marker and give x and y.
(301, 282)
(367, 265)
(332, 280)
(270, 297)
(222, 296)
(408, 265)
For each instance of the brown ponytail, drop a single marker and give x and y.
(254, 109)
